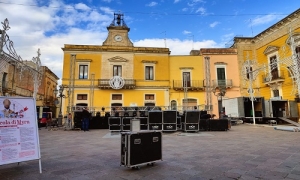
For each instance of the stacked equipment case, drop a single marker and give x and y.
(191, 121)
(114, 123)
(170, 120)
(155, 120)
(139, 148)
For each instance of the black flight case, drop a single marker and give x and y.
(140, 148)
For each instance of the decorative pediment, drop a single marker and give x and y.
(148, 61)
(271, 49)
(117, 59)
(296, 38)
(182, 68)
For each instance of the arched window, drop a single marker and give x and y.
(173, 105)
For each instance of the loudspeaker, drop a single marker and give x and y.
(77, 120)
(126, 120)
(219, 124)
(170, 127)
(169, 116)
(114, 120)
(143, 120)
(192, 116)
(155, 127)
(155, 117)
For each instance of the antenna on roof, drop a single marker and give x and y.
(251, 27)
(165, 40)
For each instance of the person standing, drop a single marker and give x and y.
(69, 120)
(85, 119)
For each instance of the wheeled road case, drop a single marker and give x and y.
(139, 148)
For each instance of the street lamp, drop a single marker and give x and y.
(60, 95)
(219, 93)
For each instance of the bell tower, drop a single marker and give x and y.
(118, 32)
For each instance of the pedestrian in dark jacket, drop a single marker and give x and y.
(85, 119)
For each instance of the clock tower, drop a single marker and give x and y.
(118, 33)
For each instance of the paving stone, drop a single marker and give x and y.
(244, 152)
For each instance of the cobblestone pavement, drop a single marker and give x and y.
(244, 152)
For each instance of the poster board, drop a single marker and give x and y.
(19, 138)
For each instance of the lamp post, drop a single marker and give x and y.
(60, 95)
(220, 93)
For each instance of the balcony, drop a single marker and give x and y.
(104, 84)
(276, 77)
(194, 85)
(227, 83)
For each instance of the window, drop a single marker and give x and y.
(4, 85)
(149, 73)
(83, 71)
(173, 105)
(298, 55)
(81, 96)
(116, 97)
(149, 96)
(221, 76)
(117, 70)
(186, 77)
(150, 104)
(276, 93)
(274, 67)
(249, 72)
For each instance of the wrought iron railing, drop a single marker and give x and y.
(191, 85)
(104, 84)
(275, 76)
(222, 83)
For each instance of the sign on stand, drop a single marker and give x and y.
(19, 138)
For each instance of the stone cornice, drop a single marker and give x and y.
(220, 63)
(148, 61)
(95, 48)
(183, 68)
(83, 60)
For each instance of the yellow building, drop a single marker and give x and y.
(271, 58)
(150, 77)
(116, 73)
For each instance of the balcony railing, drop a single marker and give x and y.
(194, 85)
(276, 76)
(222, 83)
(104, 84)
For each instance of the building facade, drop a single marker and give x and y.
(271, 58)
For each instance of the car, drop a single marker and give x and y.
(46, 119)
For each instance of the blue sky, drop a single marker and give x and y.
(185, 24)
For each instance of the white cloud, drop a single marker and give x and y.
(195, 2)
(176, 46)
(186, 32)
(185, 9)
(263, 20)
(176, 1)
(227, 37)
(82, 6)
(151, 4)
(214, 24)
(201, 10)
(108, 1)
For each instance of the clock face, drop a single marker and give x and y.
(118, 38)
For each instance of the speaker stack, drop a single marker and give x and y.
(169, 120)
(155, 120)
(191, 121)
(114, 123)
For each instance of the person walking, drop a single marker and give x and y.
(85, 119)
